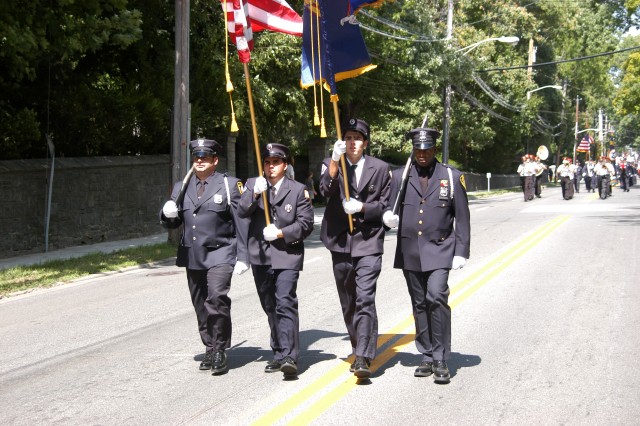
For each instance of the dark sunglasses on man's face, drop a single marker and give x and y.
(202, 154)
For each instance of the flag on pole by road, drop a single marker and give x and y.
(585, 143)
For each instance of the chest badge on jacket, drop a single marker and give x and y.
(444, 189)
(288, 208)
(217, 199)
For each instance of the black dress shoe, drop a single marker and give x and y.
(441, 372)
(207, 361)
(361, 368)
(273, 366)
(352, 367)
(219, 364)
(425, 369)
(289, 367)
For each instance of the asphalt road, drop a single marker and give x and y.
(545, 331)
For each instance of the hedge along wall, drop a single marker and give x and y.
(94, 199)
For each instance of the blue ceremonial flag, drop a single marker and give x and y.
(332, 47)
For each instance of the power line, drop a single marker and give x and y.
(558, 62)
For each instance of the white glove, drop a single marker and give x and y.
(240, 268)
(352, 206)
(458, 262)
(339, 148)
(270, 232)
(260, 186)
(170, 209)
(390, 220)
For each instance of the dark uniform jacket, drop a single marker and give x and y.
(213, 232)
(427, 238)
(291, 212)
(368, 231)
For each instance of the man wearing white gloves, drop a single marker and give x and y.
(429, 246)
(356, 255)
(212, 247)
(276, 251)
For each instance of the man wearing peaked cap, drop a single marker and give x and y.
(356, 256)
(429, 245)
(213, 246)
(276, 251)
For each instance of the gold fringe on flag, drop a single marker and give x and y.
(234, 124)
(316, 118)
(323, 130)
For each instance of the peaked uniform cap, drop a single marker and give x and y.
(205, 146)
(357, 125)
(275, 150)
(422, 137)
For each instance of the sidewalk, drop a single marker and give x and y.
(106, 247)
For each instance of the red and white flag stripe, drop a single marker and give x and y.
(246, 16)
(239, 27)
(274, 15)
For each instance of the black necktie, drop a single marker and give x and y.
(351, 174)
(201, 185)
(273, 207)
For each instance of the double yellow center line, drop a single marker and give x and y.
(336, 383)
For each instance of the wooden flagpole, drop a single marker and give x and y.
(343, 162)
(256, 144)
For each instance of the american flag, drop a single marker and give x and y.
(246, 16)
(585, 143)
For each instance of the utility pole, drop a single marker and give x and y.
(601, 131)
(575, 133)
(532, 59)
(181, 134)
(446, 119)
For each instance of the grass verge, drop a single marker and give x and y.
(49, 273)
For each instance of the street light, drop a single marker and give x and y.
(513, 40)
(543, 87)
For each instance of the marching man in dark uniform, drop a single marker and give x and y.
(213, 238)
(276, 251)
(356, 255)
(429, 246)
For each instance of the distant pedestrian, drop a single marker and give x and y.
(564, 173)
(311, 187)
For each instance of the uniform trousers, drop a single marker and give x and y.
(356, 280)
(209, 290)
(529, 182)
(604, 182)
(567, 187)
(429, 293)
(277, 292)
(587, 182)
(623, 181)
(538, 185)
